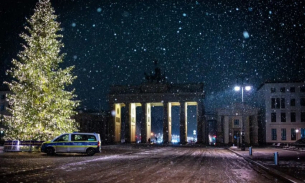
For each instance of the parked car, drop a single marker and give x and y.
(89, 143)
(300, 142)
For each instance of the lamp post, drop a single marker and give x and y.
(247, 88)
(237, 88)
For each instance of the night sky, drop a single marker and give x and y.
(216, 42)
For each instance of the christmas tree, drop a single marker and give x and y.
(41, 107)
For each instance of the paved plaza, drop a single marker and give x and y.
(146, 163)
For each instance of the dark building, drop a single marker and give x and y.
(94, 121)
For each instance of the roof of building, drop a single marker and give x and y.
(280, 82)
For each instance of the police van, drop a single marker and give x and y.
(89, 143)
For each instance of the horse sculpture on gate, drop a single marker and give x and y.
(157, 77)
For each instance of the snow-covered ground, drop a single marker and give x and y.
(133, 164)
(290, 162)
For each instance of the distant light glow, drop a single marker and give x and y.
(248, 88)
(99, 10)
(174, 141)
(237, 88)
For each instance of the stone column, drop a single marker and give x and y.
(219, 133)
(205, 138)
(169, 122)
(112, 125)
(144, 123)
(226, 129)
(148, 120)
(200, 123)
(165, 122)
(117, 123)
(133, 122)
(127, 123)
(183, 122)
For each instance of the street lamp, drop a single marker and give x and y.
(247, 88)
(242, 88)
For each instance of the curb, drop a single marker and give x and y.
(277, 173)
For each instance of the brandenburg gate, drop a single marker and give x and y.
(152, 94)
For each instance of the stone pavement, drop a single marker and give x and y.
(291, 164)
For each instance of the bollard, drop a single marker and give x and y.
(250, 151)
(276, 158)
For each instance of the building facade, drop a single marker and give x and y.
(282, 108)
(237, 124)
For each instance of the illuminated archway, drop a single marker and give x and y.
(147, 95)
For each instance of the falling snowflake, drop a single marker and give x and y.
(246, 34)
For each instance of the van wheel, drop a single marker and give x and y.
(90, 152)
(50, 151)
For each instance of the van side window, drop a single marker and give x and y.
(91, 138)
(82, 137)
(77, 137)
(63, 138)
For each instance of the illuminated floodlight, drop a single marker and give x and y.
(248, 88)
(297, 130)
(237, 88)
